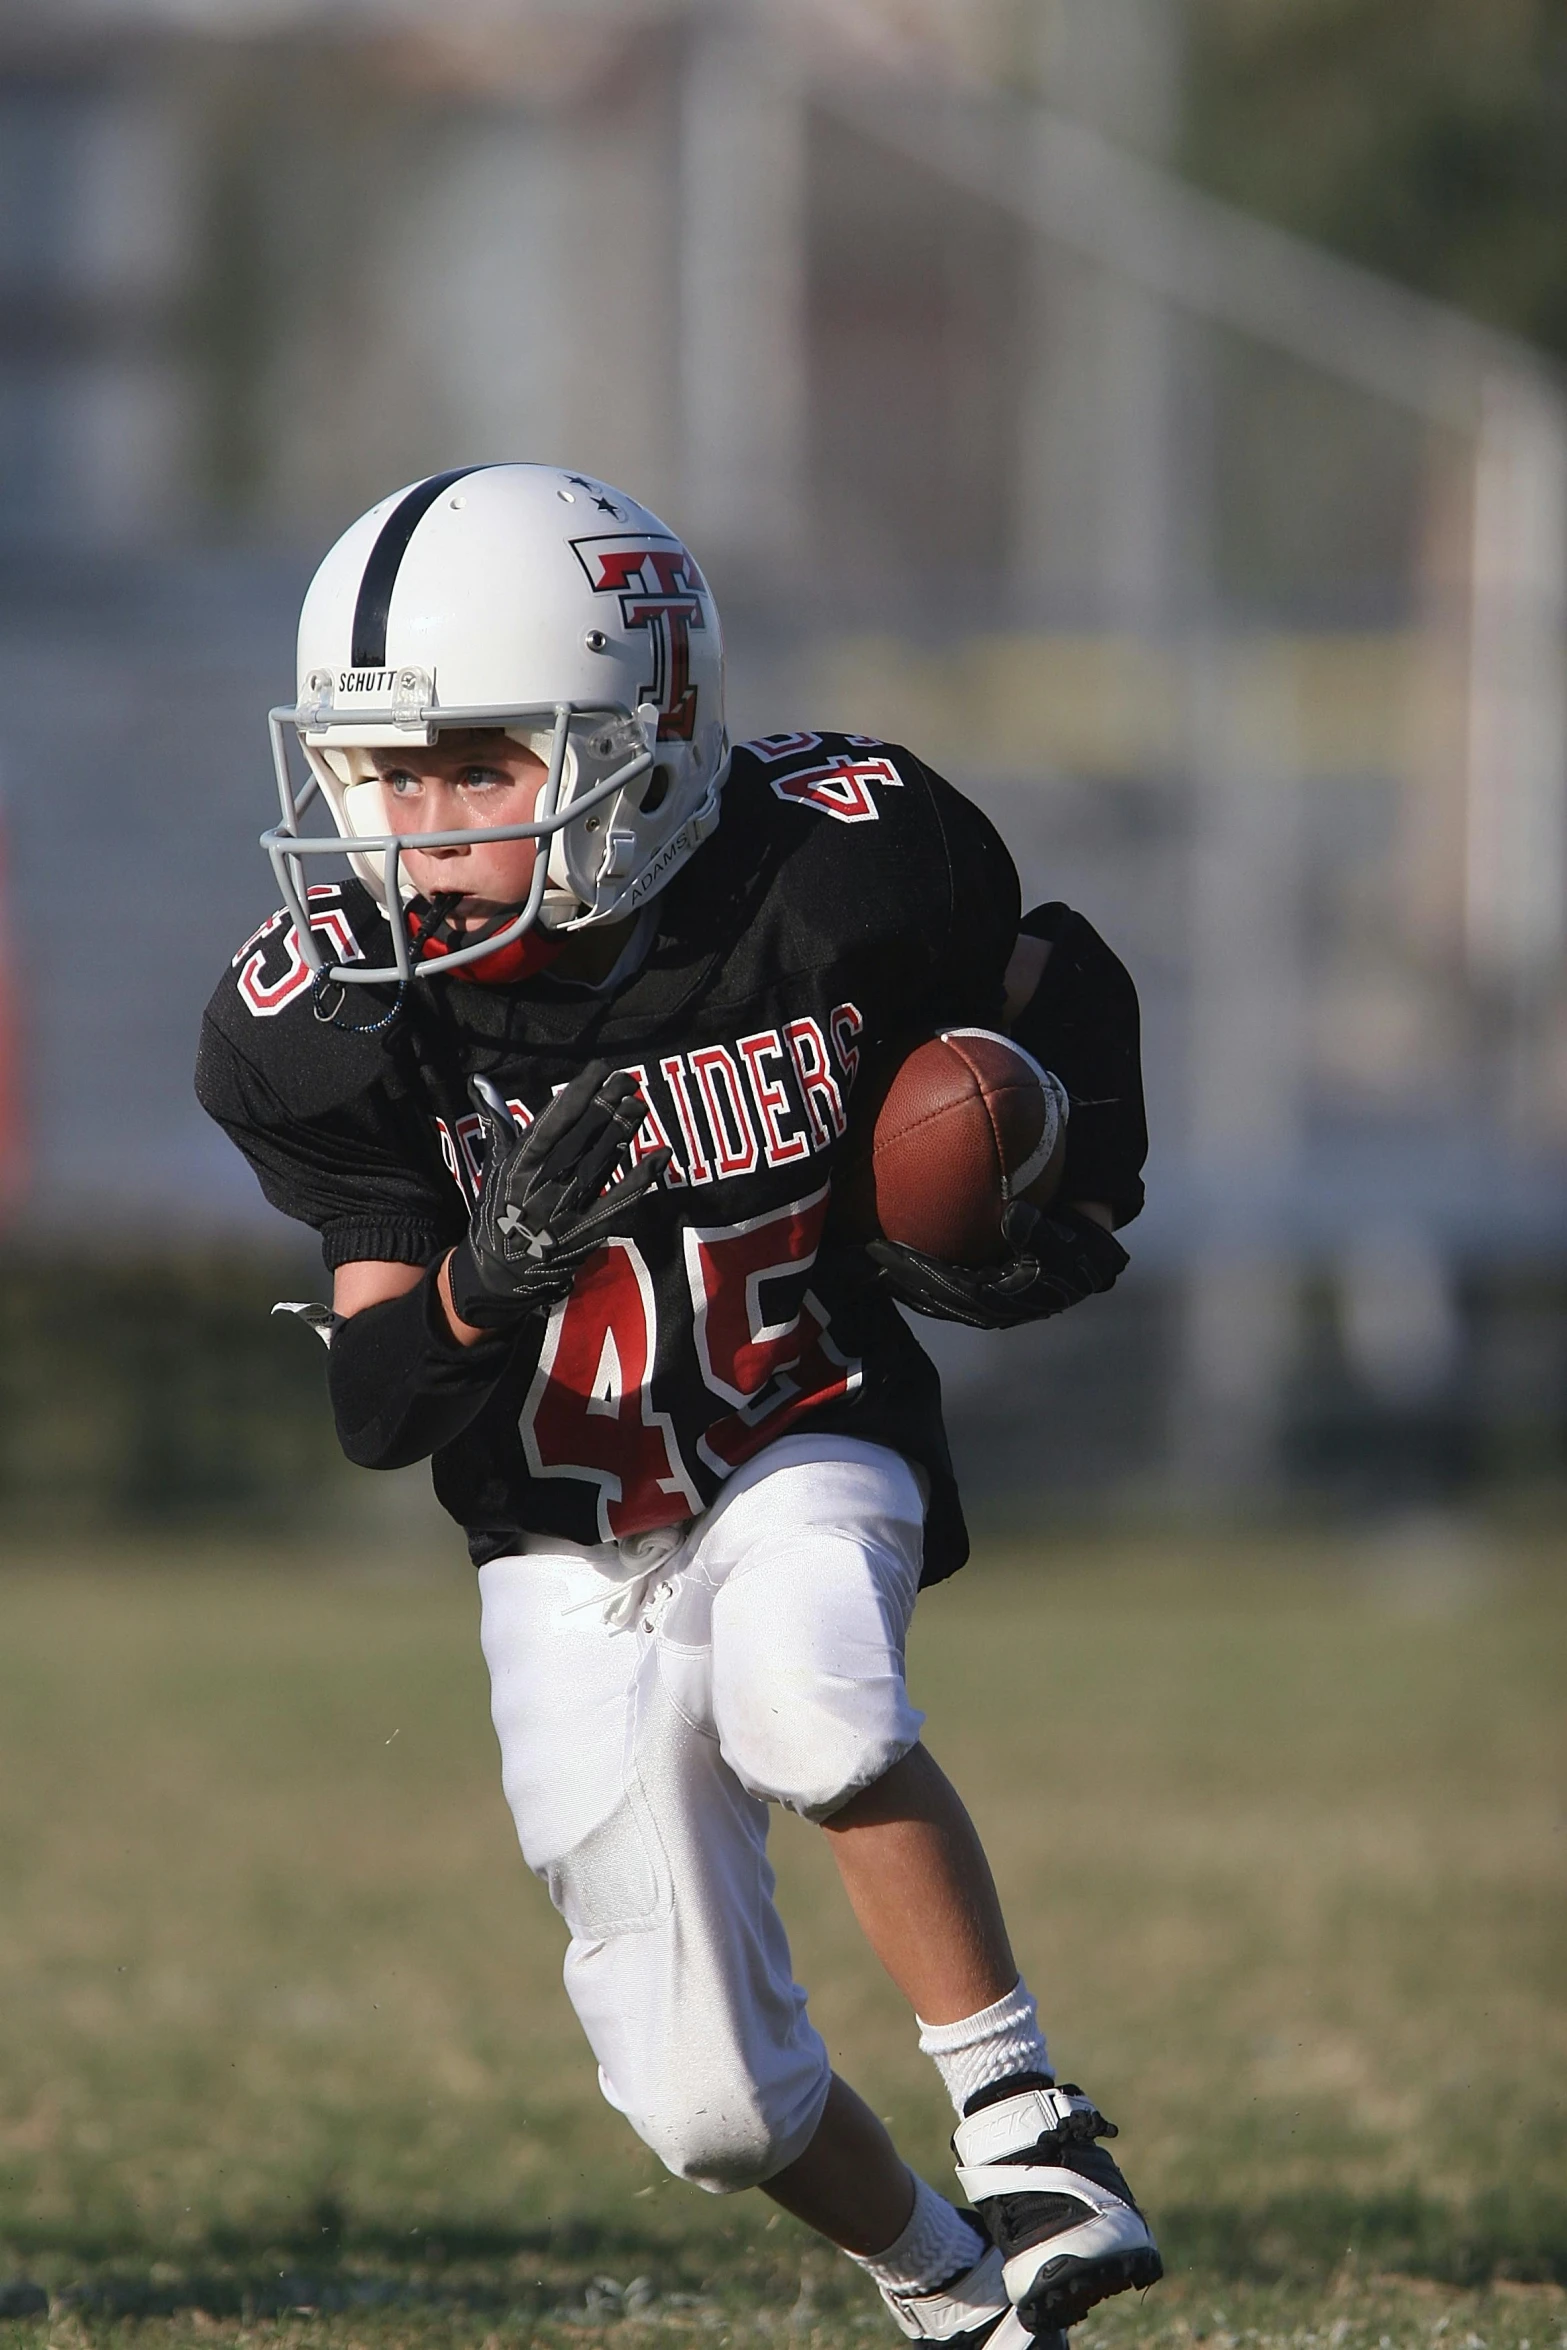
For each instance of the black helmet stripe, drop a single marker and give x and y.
(374, 601)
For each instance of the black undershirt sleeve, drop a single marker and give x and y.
(1083, 1023)
(401, 1386)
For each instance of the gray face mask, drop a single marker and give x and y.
(595, 757)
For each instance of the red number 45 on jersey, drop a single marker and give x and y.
(761, 1342)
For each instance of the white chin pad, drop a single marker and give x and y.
(364, 808)
(563, 887)
(364, 816)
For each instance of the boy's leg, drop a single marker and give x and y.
(677, 1966)
(939, 2277)
(920, 1885)
(800, 1597)
(851, 2185)
(792, 1664)
(1028, 2153)
(766, 1666)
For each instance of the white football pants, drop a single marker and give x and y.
(647, 1716)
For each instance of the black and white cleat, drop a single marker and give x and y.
(1057, 2208)
(972, 2312)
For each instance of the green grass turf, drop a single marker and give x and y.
(284, 2054)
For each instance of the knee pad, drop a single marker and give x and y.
(811, 1760)
(718, 2114)
(723, 2145)
(809, 1699)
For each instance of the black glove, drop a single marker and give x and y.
(1057, 1258)
(542, 1207)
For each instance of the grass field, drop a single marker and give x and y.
(284, 2055)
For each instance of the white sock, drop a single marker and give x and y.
(937, 2245)
(1001, 2040)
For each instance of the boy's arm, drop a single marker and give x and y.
(418, 1350)
(1051, 981)
(1072, 1003)
(1023, 975)
(402, 1381)
(373, 1282)
(331, 1149)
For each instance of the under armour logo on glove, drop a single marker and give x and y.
(550, 1194)
(512, 1221)
(1057, 1259)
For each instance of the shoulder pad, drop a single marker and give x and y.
(270, 971)
(843, 777)
(264, 1007)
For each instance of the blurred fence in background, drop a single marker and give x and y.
(1231, 579)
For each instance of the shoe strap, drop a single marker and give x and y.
(1015, 2125)
(979, 2294)
(984, 2183)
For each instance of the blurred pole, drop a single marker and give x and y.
(743, 382)
(98, 395)
(1116, 64)
(1246, 1064)
(1095, 536)
(13, 1136)
(1515, 847)
(1429, 848)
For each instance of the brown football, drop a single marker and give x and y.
(968, 1123)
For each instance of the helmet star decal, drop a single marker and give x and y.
(599, 495)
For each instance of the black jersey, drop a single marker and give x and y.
(849, 903)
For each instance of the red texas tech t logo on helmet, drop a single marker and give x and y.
(661, 590)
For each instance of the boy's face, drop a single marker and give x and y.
(464, 781)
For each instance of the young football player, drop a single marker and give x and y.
(562, 1069)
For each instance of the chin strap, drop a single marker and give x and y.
(329, 1001)
(433, 930)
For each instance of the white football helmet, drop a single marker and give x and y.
(522, 597)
